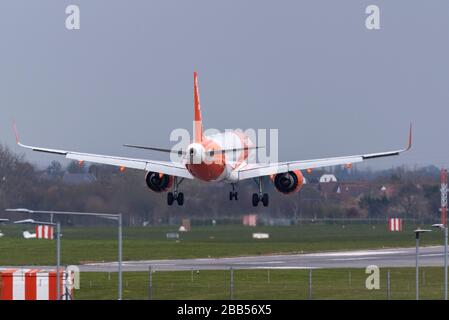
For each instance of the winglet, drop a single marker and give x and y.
(410, 135)
(61, 152)
(14, 126)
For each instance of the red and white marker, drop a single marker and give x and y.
(32, 284)
(395, 224)
(44, 232)
(250, 220)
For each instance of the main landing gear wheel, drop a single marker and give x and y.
(175, 195)
(180, 198)
(264, 199)
(170, 198)
(260, 196)
(255, 199)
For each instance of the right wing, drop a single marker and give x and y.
(265, 169)
(165, 167)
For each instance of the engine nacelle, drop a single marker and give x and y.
(288, 182)
(158, 182)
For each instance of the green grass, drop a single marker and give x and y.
(344, 284)
(100, 244)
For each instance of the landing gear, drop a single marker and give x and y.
(265, 200)
(233, 194)
(260, 196)
(180, 198)
(170, 198)
(255, 199)
(175, 195)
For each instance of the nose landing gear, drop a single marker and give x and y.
(175, 195)
(233, 194)
(257, 197)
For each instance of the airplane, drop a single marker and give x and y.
(217, 157)
(29, 235)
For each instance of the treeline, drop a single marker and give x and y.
(25, 186)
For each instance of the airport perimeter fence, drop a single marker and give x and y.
(260, 284)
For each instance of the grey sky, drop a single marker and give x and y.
(309, 68)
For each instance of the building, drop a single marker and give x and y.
(326, 178)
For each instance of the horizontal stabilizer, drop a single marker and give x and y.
(181, 152)
(223, 151)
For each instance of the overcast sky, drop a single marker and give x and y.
(309, 68)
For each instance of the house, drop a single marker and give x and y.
(326, 178)
(343, 191)
(388, 190)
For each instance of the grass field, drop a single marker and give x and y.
(262, 284)
(100, 244)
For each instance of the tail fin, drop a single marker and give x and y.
(198, 123)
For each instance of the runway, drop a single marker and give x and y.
(399, 257)
(396, 257)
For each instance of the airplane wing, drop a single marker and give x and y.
(266, 169)
(165, 167)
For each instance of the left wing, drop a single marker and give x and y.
(165, 167)
(259, 170)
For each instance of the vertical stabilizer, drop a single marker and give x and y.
(198, 124)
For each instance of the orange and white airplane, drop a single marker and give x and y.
(217, 157)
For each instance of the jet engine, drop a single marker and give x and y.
(288, 182)
(158, 182)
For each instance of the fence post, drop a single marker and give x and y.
(150, 284)
(424, 277)
(388, 285)
(232, 284)
(310, 284)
